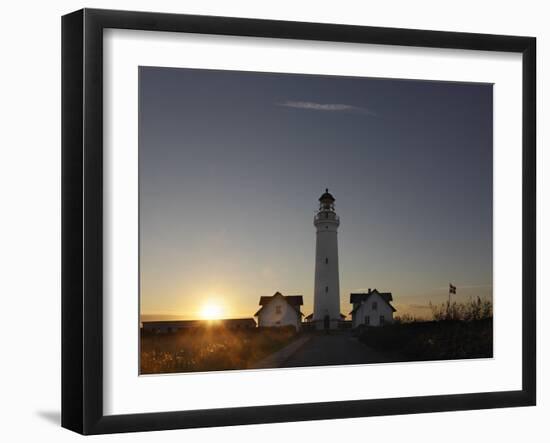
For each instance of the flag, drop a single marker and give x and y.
(452, 289)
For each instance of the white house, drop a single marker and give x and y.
(371, 308)
(280, 310)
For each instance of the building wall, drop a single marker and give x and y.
(269, 317)
(163, 328)
(366, 309)
(327, 281)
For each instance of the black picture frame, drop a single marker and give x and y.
(82, 218)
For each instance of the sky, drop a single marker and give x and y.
(231, 166)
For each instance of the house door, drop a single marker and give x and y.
(327, 322)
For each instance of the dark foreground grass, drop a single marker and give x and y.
(433, 340)
(209, 349)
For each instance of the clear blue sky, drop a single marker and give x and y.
(232, 164)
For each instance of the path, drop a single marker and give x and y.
(277, 359)
(336, 348)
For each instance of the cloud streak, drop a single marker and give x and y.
(326, 107)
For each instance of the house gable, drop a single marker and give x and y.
(372, 308)
(376, 302)
(359, 298)
(280, 310)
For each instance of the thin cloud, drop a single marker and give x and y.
(326, 107)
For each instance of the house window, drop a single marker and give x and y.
(326, 260)
(367, 320)
(382, 321)
(277, 309)
(374, 306)
(326, 288)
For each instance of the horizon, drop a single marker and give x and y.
(232, 164)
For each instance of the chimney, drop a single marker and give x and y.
(369, 291)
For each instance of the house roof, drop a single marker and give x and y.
(357, 297)
(360, 297)
(295, 301)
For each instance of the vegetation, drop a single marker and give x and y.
(457, 331)
(405, 318)
(473, 309)
(209, 349)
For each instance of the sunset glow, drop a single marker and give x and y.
(211, 311)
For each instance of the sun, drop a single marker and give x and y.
(211, 311)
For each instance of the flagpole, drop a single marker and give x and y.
(452, 290)
(449, 304)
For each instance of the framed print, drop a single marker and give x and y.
(269, 221)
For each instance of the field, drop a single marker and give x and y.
(209, 349)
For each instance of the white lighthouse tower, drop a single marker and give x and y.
(326, 302)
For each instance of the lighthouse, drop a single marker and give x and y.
(326, 301)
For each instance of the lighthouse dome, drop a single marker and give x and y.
(326, 196)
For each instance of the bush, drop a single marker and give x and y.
(473, 309)
(433, 340)
(405, 318)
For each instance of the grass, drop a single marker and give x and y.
(209, 349)
(457, 331)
